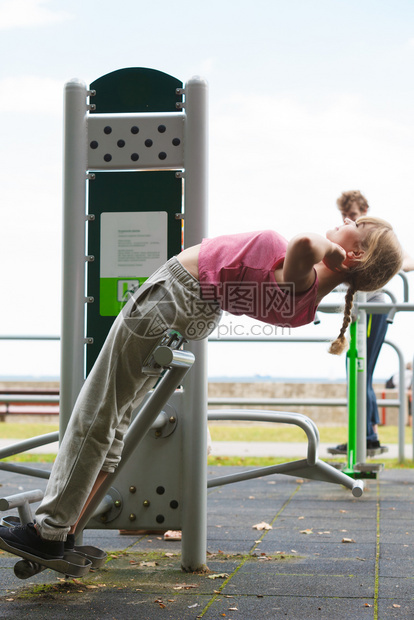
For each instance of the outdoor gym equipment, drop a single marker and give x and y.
(135, 193)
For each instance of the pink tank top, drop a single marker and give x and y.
(238, 272)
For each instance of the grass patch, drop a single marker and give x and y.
(289, 433)
(27, 457)
(23, 430)
(225, 432)
(228, 432)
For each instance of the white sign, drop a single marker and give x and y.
(133, 244)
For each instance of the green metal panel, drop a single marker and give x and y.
(136, 90)
(127, 91)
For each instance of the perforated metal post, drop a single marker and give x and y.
(73, 277)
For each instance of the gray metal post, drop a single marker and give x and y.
(73, 276)
(361, 447)
(194, 514)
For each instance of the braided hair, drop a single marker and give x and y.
(381, 261)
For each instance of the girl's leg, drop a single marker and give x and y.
(102, 476)
(111, 392)
(93, 441)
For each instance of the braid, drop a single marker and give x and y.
(338, 345)
(381, 261)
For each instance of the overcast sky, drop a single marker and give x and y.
(308, 98)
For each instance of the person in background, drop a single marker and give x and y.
(394, 381)
(352, 205)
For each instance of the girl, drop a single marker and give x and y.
(259, 274)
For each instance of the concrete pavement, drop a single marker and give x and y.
(327, 556)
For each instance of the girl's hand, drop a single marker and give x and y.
(335, 258)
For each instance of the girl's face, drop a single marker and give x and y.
(350, 235)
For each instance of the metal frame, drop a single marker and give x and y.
(191, 162)
(192, 122)
(311, 467)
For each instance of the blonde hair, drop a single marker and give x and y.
(347, 199)
(381, 261)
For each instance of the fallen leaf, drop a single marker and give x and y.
(233, 609)
(367, 605)
(300, 518)
(397, 606)
(218, 576)
(195, 605)
(262, 526)
(343, 511)
(306, 531)
(348, 540)
(148, 563)
(172, 535)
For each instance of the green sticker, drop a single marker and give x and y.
(115, 292)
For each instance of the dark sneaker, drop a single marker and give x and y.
(343, 448)
(25, 538)
(373, 444)
(69, 544)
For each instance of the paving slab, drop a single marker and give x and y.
(281, 572)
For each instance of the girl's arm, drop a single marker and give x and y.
(304, 252)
